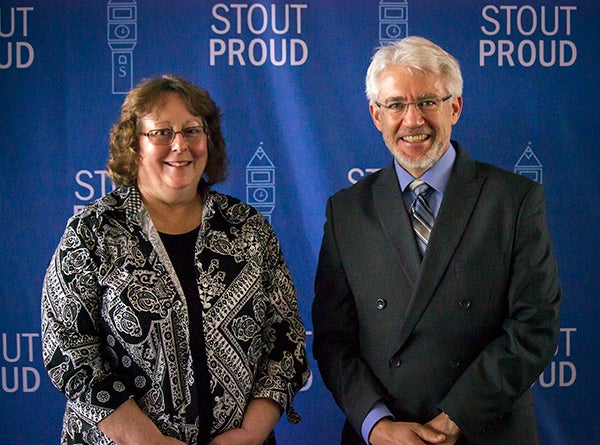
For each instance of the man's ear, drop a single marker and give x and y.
(457, 104)
(375, 115)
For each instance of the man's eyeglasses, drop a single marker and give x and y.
(425, 106)
(164, 136)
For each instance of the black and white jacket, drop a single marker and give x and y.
(115, 320)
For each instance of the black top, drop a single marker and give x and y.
(181, 252)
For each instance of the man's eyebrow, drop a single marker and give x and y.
(424, 96)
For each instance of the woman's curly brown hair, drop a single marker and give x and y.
(143, 100)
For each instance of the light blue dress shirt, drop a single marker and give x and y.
(437, 178)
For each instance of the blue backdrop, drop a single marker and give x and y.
(289, 78)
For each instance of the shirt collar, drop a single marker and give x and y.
(437, 176)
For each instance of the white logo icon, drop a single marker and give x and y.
(122, 38)
(393, 21)
(260, 183)
(529, 165)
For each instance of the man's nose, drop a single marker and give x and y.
(412, 117)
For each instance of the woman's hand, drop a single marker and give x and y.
(259, 420)
(129, 425)
(238, 436)
(171, 441)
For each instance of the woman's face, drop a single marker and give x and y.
(170, 172)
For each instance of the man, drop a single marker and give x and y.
(433, 316)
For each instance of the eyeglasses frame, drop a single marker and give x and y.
(149, 135)
(415, 104)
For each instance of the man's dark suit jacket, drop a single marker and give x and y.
(466, 332)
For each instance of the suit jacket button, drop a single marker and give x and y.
(395, 362)
(464, 303)
(454, 364)
(381, 304)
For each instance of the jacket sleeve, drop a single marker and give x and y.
(72, 350)
(284, 368)
(336, 334)
(510, 364)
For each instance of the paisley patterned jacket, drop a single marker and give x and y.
(115, 320)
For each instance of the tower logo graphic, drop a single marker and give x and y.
(122, 38)
(393, 21)
(529, 165)
(260, 183)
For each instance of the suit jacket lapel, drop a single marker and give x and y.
(460, 197)
(395, 222)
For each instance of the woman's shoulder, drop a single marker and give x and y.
(115, 203)
(229, 205)
(231, 208)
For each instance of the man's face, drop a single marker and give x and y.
(416, 138)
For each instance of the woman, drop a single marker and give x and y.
(168, 313)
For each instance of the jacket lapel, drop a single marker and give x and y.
(460, 198)
(395, 222)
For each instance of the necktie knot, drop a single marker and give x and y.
(419, 187)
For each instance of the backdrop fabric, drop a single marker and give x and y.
(289, 79)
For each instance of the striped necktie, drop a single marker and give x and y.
(422, 216)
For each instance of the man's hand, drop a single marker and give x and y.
(444, 425)
(388, 432)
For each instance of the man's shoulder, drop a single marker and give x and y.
(504, 177)
(490, 171)
(363, 185)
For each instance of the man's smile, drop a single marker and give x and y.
(415, 138)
